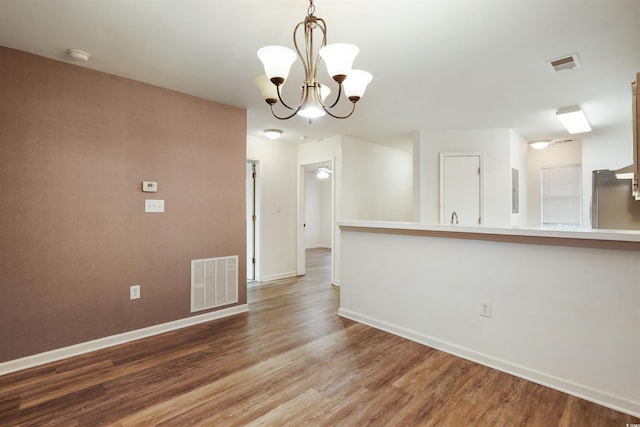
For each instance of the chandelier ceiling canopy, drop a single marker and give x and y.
(338, 58)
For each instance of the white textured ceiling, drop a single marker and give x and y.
(436, 63)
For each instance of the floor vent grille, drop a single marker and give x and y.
(214, 282)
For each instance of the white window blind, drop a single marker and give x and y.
(561, 196)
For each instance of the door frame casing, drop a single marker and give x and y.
(480, 156)
(258, 212)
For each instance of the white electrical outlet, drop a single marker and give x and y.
(485, 308)
(134, 292)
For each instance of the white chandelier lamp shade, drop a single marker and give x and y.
(573, 119)
(277, 61)
(356, 83)
(338, 58)
(268, 91)
(324, 92)
(312, 108)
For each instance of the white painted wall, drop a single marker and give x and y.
(559, 154)
(277, 189)
(495, 146)
(562, 316)
(377, 182)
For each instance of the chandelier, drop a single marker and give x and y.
(338, 58)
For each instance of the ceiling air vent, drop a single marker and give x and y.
(565, 63)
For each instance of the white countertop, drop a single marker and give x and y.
(547, 232)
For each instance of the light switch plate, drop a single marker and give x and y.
(485, 308)
(152, 205)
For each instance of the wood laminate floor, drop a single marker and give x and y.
(291, 361)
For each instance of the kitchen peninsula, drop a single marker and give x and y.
(557, 307)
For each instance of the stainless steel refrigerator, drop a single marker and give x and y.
(612, 205)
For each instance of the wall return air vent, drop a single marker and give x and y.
(565, 63)
(214, 282)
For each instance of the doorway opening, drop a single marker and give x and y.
(316, 210)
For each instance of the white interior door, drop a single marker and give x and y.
(460, 189)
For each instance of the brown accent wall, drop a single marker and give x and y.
(75, 146)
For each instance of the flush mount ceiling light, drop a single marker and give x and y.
(539, 145)
(338, 58)
(573, 119)
(78, 55)
(272, 133)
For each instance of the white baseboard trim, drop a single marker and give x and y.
(581, 391)
(279, 276)
(100, 343)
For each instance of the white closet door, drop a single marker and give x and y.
(460, 187)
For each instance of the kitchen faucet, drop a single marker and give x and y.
(454, 215)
